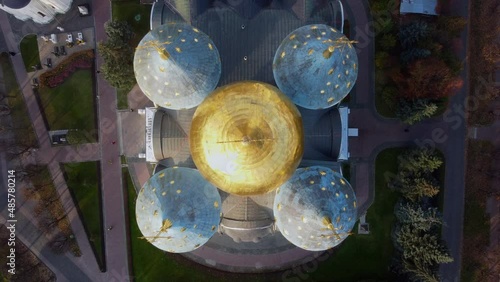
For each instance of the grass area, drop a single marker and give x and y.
(83, 183)
(71, 104)
(362, 257)
(29, 51)
(135, 14)
(21, 120)
(122, 99)
(346, 171)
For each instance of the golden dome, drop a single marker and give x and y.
(247, 138)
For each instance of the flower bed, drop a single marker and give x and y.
(56, 76)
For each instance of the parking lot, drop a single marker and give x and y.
(47, 48)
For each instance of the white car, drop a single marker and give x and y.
(70, 38)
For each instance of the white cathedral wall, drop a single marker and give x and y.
(61, 6)
(44, 6)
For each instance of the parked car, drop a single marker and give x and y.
(63, 50)
(59, 139)
(49, 62)
(56, 51)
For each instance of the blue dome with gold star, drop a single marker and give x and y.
(315, 209)
(177, 210)
(177, 66)
(316, 66)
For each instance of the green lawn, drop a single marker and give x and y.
(362, 257)
(83, 183)
(71, 104)
(135, 14)
(346, 171)
(122, 98)
(29, 51)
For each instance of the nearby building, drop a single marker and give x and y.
(424, 7)
(40, 11)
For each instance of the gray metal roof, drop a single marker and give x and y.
(265, 26)
(258, 41)
(322, 134)
(168, 136)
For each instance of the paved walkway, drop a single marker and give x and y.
(84, 268)
(113, 201)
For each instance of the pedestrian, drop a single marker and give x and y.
(114, 142)
(109, 228)
(131, 110)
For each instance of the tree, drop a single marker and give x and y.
(427, 78)
(450, 26)
(418, 271)
(118, 31)
(413, 111)
(388, 42)
(419, 160)
(421, 219)
(491, 53)
(491, 264)
(414, 188)
(78, 137)
(412, 54)
(421, 247)
(411, 33)
(420, 252)
(382, 60)
(19, 147)
(118, 55)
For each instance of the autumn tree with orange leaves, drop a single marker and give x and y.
(428, 78)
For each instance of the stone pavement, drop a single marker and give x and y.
(113, 199)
